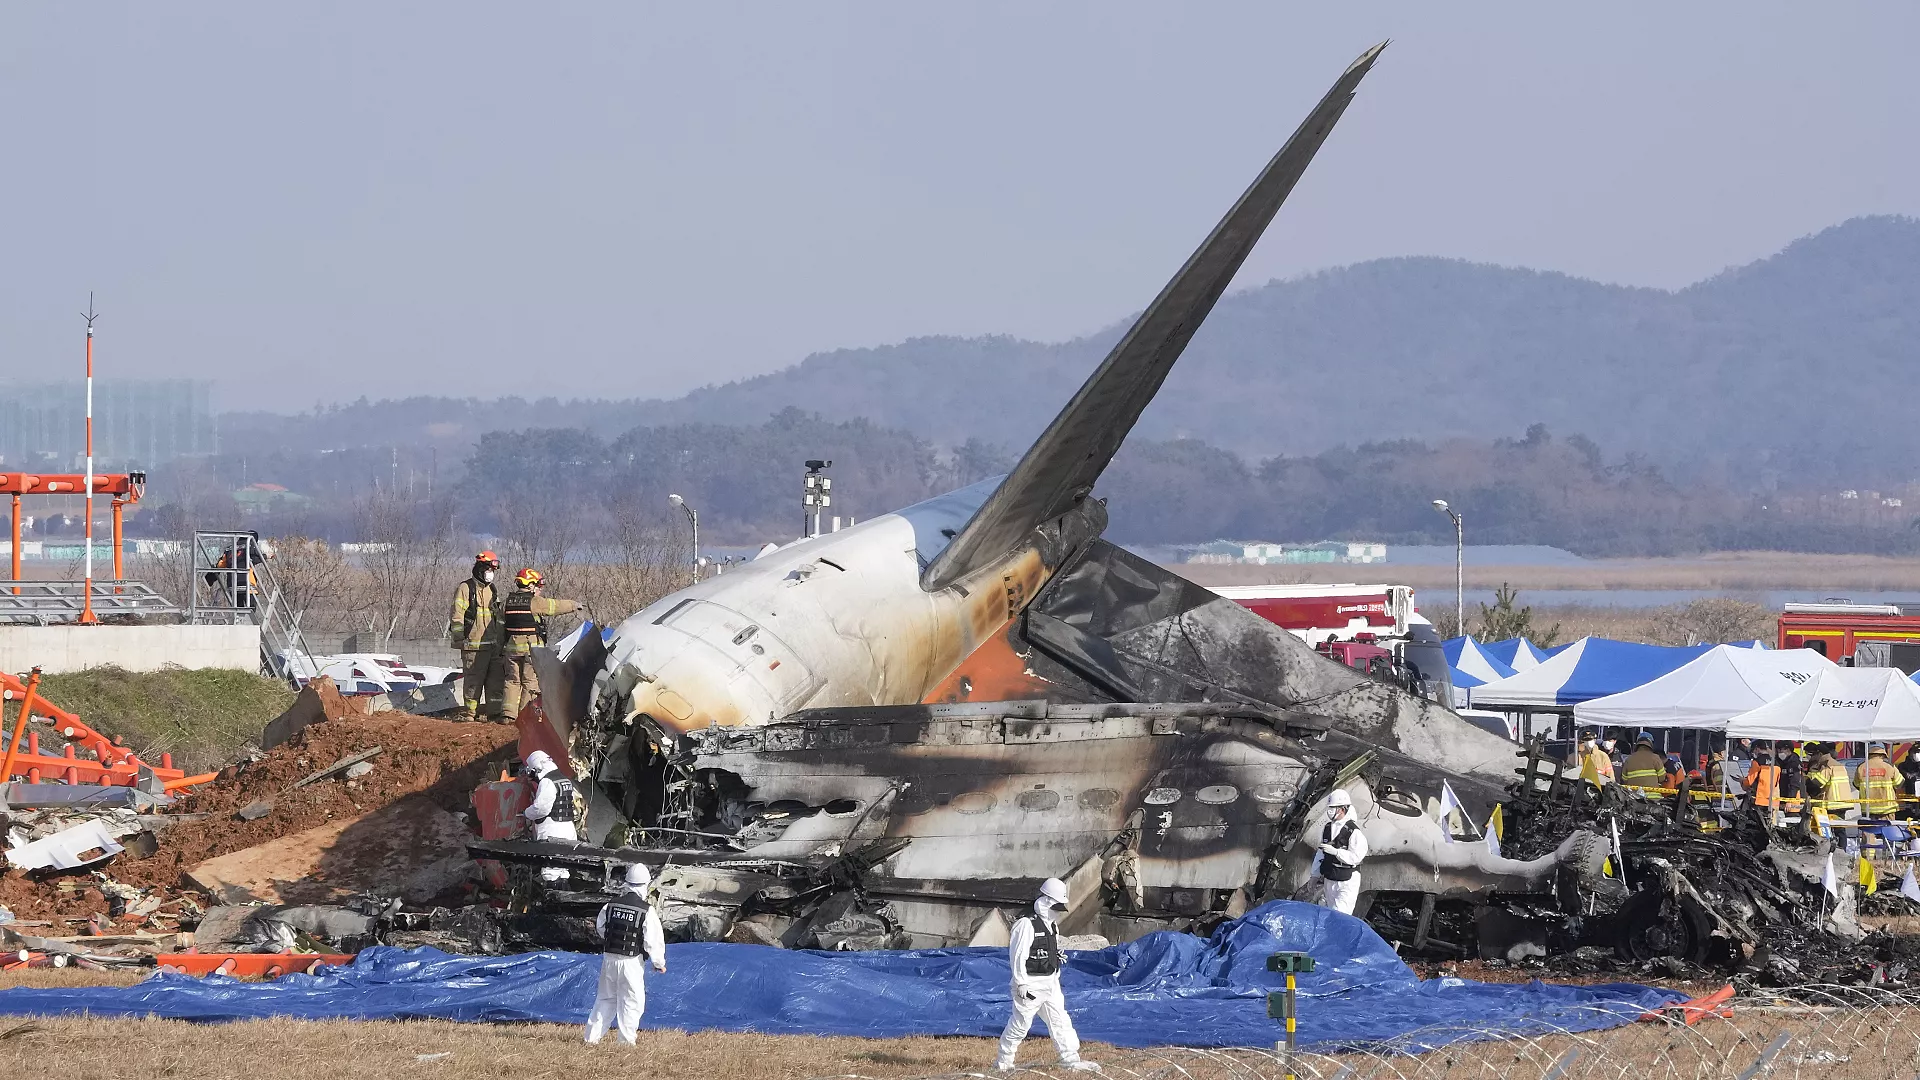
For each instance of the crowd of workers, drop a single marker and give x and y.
(1777, 775)
(495, 633)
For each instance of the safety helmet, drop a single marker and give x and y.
(1339, 798)
(539, 763)
(489, 558)
(1055, 890)
(638, 876)
(1876, 748)
(1643, 737)
(529, 578)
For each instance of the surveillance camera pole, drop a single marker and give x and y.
(693, 519)
(1459, 567)
(816, 494)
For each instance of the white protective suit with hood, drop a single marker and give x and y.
(1038, 994)
(1344, 845)
(622, 996)
(539, 813)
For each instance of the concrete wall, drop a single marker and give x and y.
(136, 648)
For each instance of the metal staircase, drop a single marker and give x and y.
(233, 583)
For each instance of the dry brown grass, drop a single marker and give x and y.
(1864, 1041)
(1728, 572)
(87, 1049)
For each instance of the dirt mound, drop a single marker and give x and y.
(442, 760)
(439, 760)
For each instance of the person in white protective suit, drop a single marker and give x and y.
(1342, 848)
(552, 812)
(1035, 956)
(631, 929)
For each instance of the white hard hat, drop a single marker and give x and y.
(1055, 890)
(1339, 798)
(637, 875)
(538, 762)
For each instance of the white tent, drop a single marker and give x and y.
(1841, 705)
(1721, 683)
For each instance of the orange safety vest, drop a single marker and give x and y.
(1879, 784)
(1761, 781)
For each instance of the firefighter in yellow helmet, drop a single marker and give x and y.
(1879, 782)
(524, 617)
(474, 629)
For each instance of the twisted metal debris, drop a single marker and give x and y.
(1851, 1032)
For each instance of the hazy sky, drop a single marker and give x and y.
(615, 199)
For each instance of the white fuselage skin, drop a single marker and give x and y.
(832, 620)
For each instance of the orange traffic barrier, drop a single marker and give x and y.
(1692, 1012)
(239, 965)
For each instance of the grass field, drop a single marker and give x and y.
(202, 718)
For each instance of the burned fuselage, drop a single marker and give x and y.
(992, 694)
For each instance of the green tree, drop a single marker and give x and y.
(1506, 620)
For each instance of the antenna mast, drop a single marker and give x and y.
(87, 617)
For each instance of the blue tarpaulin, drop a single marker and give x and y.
(1166, 989)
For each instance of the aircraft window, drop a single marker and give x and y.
(842, 807)
(1272, 793)
(1217, 794)
(973, 802)
(1099, 798)
(1162, 796)
(1039, 799)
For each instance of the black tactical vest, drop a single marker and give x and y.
(518, 617)
(627, 925)
(1043, 957)
(563, 806)
(1331, 868)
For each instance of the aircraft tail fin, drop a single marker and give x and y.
(1060, 468)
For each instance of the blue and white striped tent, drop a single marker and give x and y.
(1587, 669)
(1517, 653)
(1471, 664)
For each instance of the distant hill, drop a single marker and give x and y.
(1793, 370)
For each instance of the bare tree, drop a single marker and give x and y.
(1710, 620)
(411, 562)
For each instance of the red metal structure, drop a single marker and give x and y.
(111, 763)
(1836, 629)
(126, 488)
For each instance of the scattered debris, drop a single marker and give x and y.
(345, 764)
(256, 809)
(85, 844)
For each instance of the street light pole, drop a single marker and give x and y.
(1459, 567)
(693, 518)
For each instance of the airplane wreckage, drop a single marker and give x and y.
(886, 736)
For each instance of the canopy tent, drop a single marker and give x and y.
(1587, 669)
(1705, 692)
(1471, 665)
(1840, 705)
(1517, 653)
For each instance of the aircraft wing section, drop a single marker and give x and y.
(1061, 467)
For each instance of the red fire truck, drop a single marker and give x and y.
(1371, 627)
(1837, 628)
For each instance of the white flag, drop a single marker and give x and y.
(1449, 802)
(1830, 880)
(1619, 860)
(1910, 888)
(1493, 839)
